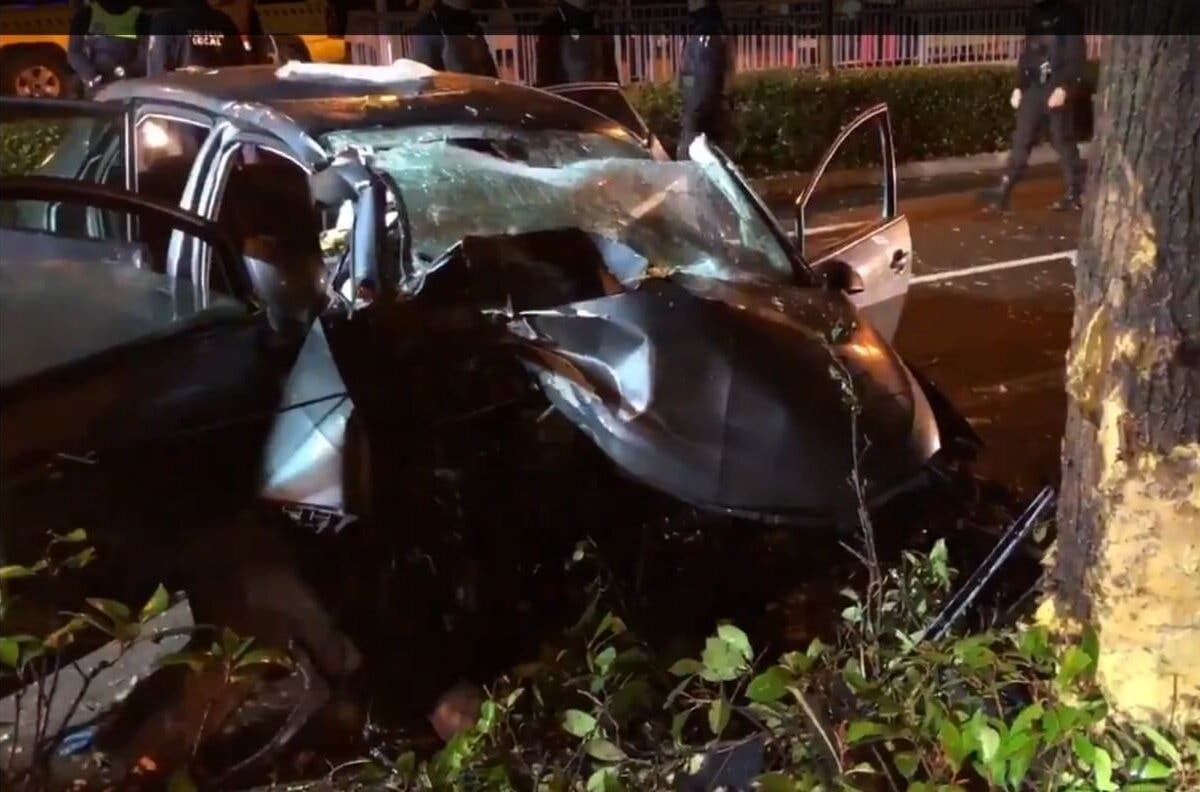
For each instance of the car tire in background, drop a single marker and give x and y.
(34, 71)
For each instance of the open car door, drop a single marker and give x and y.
(849, 213)
(610, 101)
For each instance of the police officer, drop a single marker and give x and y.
(571, 47)
(704, 70)
(447, 37)
(192, 33)
(244, 13)
(104, 43)
(1050, 80)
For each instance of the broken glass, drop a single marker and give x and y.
(481, 180)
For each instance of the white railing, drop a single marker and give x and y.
(766, 36)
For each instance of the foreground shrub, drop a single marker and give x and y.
(879, 709)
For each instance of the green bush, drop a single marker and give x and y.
(784, 120)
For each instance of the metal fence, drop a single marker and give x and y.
(766, 36)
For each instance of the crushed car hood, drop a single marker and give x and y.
(748, 397)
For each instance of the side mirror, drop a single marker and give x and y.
(840, 276)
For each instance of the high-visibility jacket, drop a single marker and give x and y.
(106, 23)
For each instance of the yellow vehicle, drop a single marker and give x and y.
(33, 41)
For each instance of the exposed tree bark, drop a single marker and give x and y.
(1128, 554)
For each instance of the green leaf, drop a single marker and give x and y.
(718, 715)
(1019, 763)
(603, 750)
(737, 639)
(1034, 643)
(951, 742)
(1148, 768)
(488, 714)
(10, 652)
(578, 723)
(273, 657)
(71, 537)
(1027, 717)
(406, 765)
(1102, 770)
(989, 743)
(796, 662)
(605, 659)
(685, 667)
(861, 730)
(196, 661)
(775, 782)
(117, 612)
(939, 561)
(1162, 746)
(609, 624)
(722, 661)
(1074, 663)
(606, 779)
(1084, 750)
(907, 763)
(15, 571)
(155, 605)
(769, 686)
(678, 721)
(81, 559)
(1089, 644)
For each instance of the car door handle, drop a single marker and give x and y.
(899, 260)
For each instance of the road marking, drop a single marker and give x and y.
(994, 267)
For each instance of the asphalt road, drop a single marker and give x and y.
(988, 317)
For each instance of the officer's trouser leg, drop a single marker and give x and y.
(688, 131)
(1062, 137)
(1029, 121)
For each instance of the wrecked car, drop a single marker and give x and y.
(391, 223)
(354, 293)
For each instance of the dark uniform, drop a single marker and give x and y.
(245, 16)
(450, 39)
(706, 66)
(571, 48)
(104, 43)
(192, 33)
(1054, 57)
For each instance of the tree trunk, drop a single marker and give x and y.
(1128, 554)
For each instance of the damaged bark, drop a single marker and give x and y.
(1128, 554)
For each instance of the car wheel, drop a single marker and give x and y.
(39, 72)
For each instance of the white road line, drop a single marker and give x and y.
(994, 267)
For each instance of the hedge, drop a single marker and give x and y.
(24, 145)
(784, 120)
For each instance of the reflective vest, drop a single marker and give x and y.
(105, 23)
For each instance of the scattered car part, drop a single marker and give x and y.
(86, 689)
(1012, 537)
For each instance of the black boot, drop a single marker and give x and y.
(997, 198)
(1069, 202)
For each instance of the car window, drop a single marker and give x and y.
(266, 209)
(849, 198)
(61, 140)
(109, 239)
(166, 151)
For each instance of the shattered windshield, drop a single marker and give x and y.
(477, 180)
